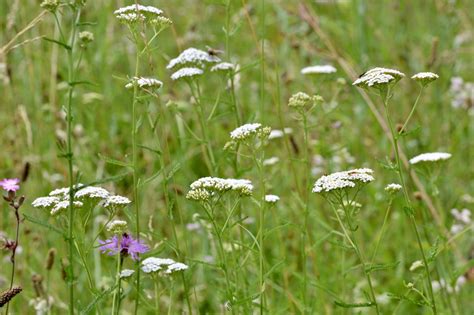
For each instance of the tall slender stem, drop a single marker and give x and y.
(382, 230)
(306, 209)
(394, 141)
(411, 112)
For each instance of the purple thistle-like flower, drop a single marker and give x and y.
(10, 184)
(126, 245)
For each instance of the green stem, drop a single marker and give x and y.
(382, 230)
(306, 210)
(261, 227)
(411, 112)
(407, 200)
(116, 298)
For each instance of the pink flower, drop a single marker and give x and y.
(10, 184)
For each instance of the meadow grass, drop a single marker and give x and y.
(323, 247)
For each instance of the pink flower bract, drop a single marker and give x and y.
(10, 184)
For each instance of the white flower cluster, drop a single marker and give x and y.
(186, 73)
(342, 180)
(117, 227)
(462, 219)
(378, 76)
(155, 264)
(272, 198)
(462, 94)
(438, 285)
(144, 83)
(126, 273)
(137, 12)
(271, 161)
(223, 66)
(249, 131)
(205, 187)
(319, 69)
(58, 200)
(192, 57)
(425, 77)
(430, 157)
(393, 188)
(277, 133)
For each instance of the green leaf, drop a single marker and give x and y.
(44, 224)
(97, 299)
(115, 162)
(378, 267)
(353, 305)
(158, 152)
(64, 45)
(73, 83)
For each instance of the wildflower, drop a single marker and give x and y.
(193, 57)
(137, 12)
(393, 188)
(320, 69)
(415, 265)
(272, 198)
(64, 192)
(425, 78)
(63, 205)
(378, 77)
(301, 100)
(126, 273)
(45, 202)
(462, 94)
(271, 161)
(41, 305)
(176, 267)
(342, 180)
(442, 283)
(114, 202)
(223, 66)
(117, 227)
(50, 5)
(91, 192)
(276, 133)
(430, 157)
(10, 184)
(199, 195)
(243, 186)
(462, 219)
(161, 21)
(125, 245)
(154, 264)
(186, 73)
(86, 37)
(144, 83)
(248, 131)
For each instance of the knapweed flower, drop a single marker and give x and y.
(10, 184)
(250, 131)
(319, 69)
(342, 180)
(144, 83)
(126, 273)
(224, 67)
(126, 245)
(117, 227)
(430, 157)
(206, 187)
(424, 78)
(193, 57)
(186, 73)
(393, 188)
(302, 100)
(378, 77)
(63, 205)
(272, 198)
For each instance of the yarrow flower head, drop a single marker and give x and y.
(153, 265)
(319, 69)
(126, 245)
(393, 188)
(302, 100)
(61, 206)
(126, 273)
(272, 198)
(204, 188)
(91, 192)
(10, 184)
(343, 180)
(137, 12)
(430, 157)
(378, 77)
(425, 78)
(193, 57)
(45, 202)
(115, 202)
(224, 67)
(144, 83)
(86, 37)
(117, 227)
(250, 131)
(186, 73)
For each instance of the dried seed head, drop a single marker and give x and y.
(6, 296)
(50, 5)
(50, 259)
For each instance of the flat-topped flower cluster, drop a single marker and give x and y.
(166, 266)
(342, 180)
(378, 76)
(190, 63)
(250, 131)
(58, 200)
(430, 157)
(206, 187)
